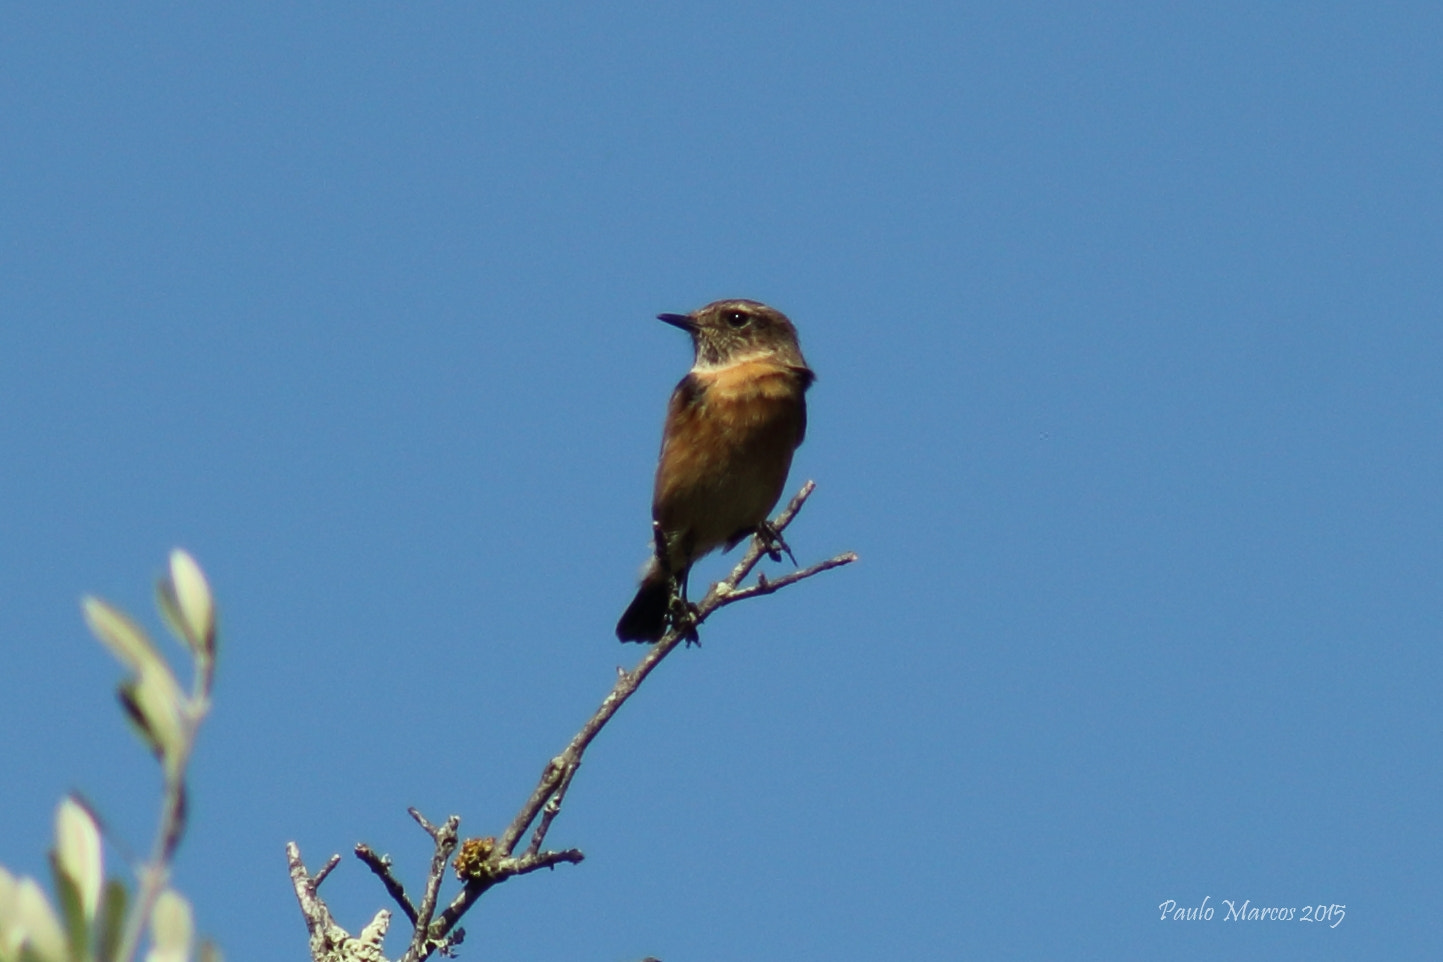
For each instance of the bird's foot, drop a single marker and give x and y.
(682, 615)
(773, 543)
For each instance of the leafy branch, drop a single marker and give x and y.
(95, 923)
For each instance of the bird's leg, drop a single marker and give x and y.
(682, 613)
(773, 543)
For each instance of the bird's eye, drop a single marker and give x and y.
(738, 318)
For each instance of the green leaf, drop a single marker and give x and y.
(193, 602)
(45, 939)
(72, 910)
(169, 606)
(127, 694)
(125, 639)
(77, 847)
(112, 920)
(9, 892)
(171, 928)
(159, 699)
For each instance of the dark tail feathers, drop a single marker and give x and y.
(645, 618)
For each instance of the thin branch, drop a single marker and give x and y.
(765, 587)
(491, 861)
(381, 865)
(326, 869)
(530, 863)
(551, 809)
(628, 682)
(420, 820)
(328, 941)
(550, 792)
(444, 837)
(326, 935)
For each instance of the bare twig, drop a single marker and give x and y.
(420, 820)
(560, 767)
(326, 935)
(765, 587)
(381, 865)
(326, 869)
(444, 837)
(550, 791)
(328, 941)
(530, 863)
(551, 809)
(495, 862)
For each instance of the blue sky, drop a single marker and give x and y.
(1127, 326)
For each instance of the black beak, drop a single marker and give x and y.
(682, 321)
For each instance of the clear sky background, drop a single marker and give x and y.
(1128, 322)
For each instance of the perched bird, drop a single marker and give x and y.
(731, 427)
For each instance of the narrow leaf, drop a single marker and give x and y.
(171, 928)
(159, 700)
(77, 846)
(125, 639)
(72, 910)
(112, 920)
(36, 919)
(10, 932)
(193, 598)
(169, 606)
(126, 691)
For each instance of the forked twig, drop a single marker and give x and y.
(550, 791)
(496, 861)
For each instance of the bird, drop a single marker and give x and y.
(731, 427)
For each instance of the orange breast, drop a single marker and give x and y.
(726, 451)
